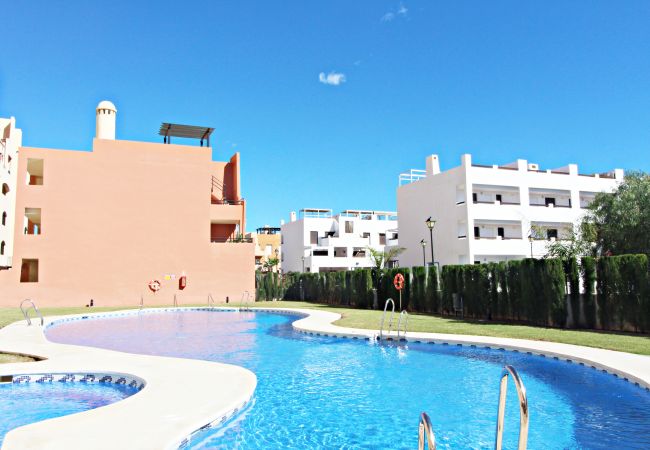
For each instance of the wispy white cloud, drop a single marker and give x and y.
(388, 17)
(402, 11)
(332, 78)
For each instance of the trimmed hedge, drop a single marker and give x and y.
(611, 293)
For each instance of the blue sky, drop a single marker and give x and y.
(553, 82)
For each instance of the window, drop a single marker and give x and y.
(320, 252)
(382, 238)
(5, 188)
(474, 197)
(313, 237)
(499, 198)
(4, 218)
(29, 271)
(501, 232)
(366, 235)
(340, 252)
(2, 248)
(551, 233)
(32, 221)
(349, 226)
(394, 236)
(549, 201)
(477, 232)
(359, 252)
(34, 172)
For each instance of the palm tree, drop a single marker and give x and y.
(379, 258)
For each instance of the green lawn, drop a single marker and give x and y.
(367, 319)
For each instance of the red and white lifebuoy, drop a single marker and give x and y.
(154, 285)
(398, 281)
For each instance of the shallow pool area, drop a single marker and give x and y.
(326, 392)
(44, 396)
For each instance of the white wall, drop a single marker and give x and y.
(441, 196)
(297, 242)
(10, 141)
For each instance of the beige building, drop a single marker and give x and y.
(103, 224)
(267, 242)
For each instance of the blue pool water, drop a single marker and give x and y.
(25, 403)
(322, 392)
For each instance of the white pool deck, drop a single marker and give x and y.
(182, 395)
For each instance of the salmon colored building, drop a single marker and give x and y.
(102, 224)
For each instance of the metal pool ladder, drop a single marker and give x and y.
(426, 437)
(25, 311)
(241, 303)
(523, 408)
(405, 315)
(383, 317)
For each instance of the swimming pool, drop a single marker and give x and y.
(324, 392)
(32, 398)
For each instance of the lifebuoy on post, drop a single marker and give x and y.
(154, 285)
(398, 281)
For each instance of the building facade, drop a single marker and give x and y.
(319, 242)
(10, 141)
(102, 224)
(267, 242)
(491, 213)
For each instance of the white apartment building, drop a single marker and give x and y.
(321, 242)
(491, 213)
(10, 139)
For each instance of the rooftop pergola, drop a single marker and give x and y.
(167, 130)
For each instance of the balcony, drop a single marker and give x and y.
(550, 198)
(495, 195)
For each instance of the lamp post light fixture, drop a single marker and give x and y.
(430, 224)
(531, 239)
(423, 243)
(303, 263)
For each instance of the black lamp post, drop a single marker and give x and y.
(430, 224)
(531, 239)
(423, 243)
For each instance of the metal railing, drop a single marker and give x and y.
(399, 323)
(523, 408)
(229, 239)
(383, 317)
(426, 436)
(210, 300)
(241, 303)
(25, 311)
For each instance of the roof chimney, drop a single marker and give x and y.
(105, 120)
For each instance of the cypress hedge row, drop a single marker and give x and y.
(611, 293)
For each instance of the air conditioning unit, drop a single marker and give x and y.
(532, 166)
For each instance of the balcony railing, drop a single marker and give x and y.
(227, 202)
(234, 240)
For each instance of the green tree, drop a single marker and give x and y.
(379, 260)
(619, 223)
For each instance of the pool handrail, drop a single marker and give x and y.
(426, 436)
(210, 300)
(523, 408)
(390, 322)
(26, 311)
(175, 302)
(399, 322)
(141, 301)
